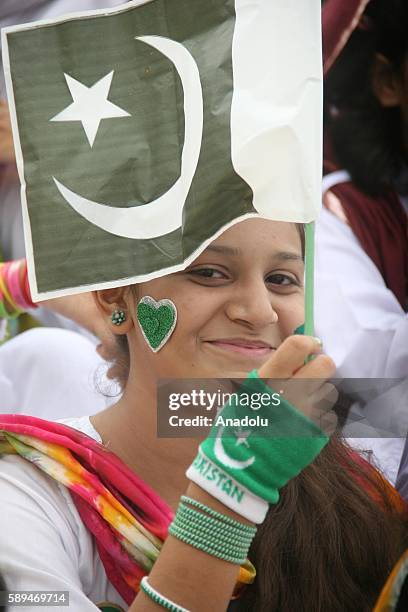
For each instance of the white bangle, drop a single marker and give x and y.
(159, 598)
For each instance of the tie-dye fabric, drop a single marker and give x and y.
(128, 519)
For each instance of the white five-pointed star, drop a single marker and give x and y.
(241, 437)
(90, 105)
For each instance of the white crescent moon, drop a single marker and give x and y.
(163, 215)
(224, 458)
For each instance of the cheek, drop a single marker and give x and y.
(291, 315)
(189, 323)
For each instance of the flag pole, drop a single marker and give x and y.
(309, 278)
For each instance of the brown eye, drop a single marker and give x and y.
(210, 273)
(283, 280)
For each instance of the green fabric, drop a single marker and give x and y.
(272, 454)
(134, 159)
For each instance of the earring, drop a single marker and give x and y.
(118, 317)
(157, 321)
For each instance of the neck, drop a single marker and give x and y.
(129, 429)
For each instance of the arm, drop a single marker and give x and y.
(15, 298)
(199, 581)
(7, 155)
(190, 577)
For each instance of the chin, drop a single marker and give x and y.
(233, 369)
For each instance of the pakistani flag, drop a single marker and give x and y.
(143, 132)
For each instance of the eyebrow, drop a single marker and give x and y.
(280, 256)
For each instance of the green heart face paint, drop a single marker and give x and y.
(157, 321)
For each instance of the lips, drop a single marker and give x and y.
(243, 346)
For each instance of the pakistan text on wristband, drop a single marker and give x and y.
(226, 489)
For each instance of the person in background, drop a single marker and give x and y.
(11, 223)
(52, 373)
(362, 238)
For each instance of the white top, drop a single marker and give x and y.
(52, 373)
(364, 330)
(362, 325)
(44, 544)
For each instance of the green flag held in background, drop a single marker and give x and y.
(145, 131)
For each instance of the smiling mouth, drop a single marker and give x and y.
(254, 350)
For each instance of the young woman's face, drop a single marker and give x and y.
(235, 303)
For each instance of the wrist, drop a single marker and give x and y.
(199, 494)
(222, 486)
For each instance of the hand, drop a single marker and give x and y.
(7, 154)
(305, 386)
(245, 472)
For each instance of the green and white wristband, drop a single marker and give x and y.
(246, 472)
(162, 601)
(221, 485)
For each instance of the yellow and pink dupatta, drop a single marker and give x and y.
(127, 518)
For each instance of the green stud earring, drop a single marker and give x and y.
(118, 317)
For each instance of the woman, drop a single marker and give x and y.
(237, 305)
(362, 234)
(59, 367)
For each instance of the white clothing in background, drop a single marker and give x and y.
(362, 325)
(52, 373)
(363, 328)
(44, 544)
(11, 222)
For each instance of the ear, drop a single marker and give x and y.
(109, 300)
(387, 85)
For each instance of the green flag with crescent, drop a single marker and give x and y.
(144, 131)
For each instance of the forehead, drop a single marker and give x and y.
(259, 235)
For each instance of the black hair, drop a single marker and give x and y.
(368, 138)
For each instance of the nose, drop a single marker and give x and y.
(252, 305)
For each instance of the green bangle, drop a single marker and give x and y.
(207, 548)
(215, 530)
(158, 598)
(218, 525)
(210, 535)
(222, 517)
(221, 546)
(212, 532)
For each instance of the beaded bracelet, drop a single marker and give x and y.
(237, 530)
(158, 598)
(222, 517)
(212, 532)
(208, 547)
(204, 523)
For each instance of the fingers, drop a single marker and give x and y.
(322, 366)
(304, 385)
(6, 138)
(290, 356)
